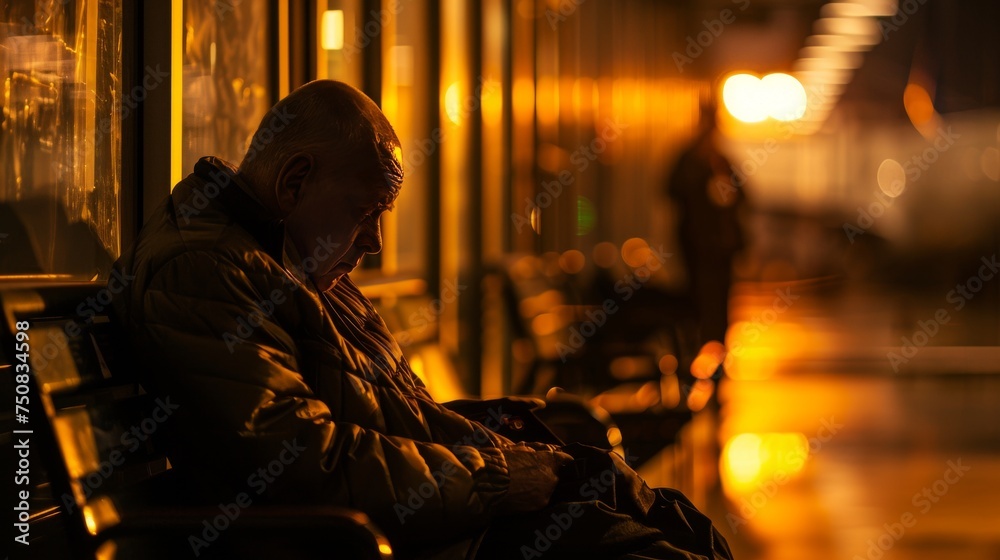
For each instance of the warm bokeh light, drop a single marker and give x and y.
(668, 364)
(711, 355)
(752, 99)
(750, 461)
(453, 103)
(333, 30)
(844, 43)
(755, 347)
(891, 178)
(605, 254)
(864, 31)
(786, 98)
(920, 108)
(636, 252)
(700, 394)
(875, 8)
(523, 100)
(572, 261)
(821, 58)
(546, 324)
(629, 367)
(743, 97)
(547, 101)
(492, 102)
(545, 301)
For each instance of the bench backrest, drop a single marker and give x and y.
(91, 429)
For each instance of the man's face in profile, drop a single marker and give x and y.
(335, 223)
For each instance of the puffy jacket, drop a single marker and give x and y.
(279, 397)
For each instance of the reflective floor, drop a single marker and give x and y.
(835, 443)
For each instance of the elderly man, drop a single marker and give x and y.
(242, 311)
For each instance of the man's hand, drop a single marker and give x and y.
(532, 478)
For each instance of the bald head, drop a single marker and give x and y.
(336, 124)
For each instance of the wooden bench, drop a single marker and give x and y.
(96, 484)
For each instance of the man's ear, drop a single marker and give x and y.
(291, 178)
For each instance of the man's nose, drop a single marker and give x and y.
(370, 238)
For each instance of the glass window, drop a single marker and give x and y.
(60, 138)
(342, 38)
(399, 32)
(227, 70)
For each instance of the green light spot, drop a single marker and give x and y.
(585, 216)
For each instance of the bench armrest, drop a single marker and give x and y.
(252, 532)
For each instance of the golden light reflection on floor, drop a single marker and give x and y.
(752, 462)
(824, 453)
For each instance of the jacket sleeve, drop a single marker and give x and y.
(246, 415)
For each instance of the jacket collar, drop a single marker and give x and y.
(242, 205)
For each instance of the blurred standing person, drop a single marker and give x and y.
(709, 199)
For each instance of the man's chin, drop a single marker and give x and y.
(327, 282)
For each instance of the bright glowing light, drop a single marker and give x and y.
(88, 518)
(492, 95)
(743, 97)
(891, 178)
(741, 458)
(786, 97)
(333, 30)
(751, 99)
(453, 104)
(749, 460)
